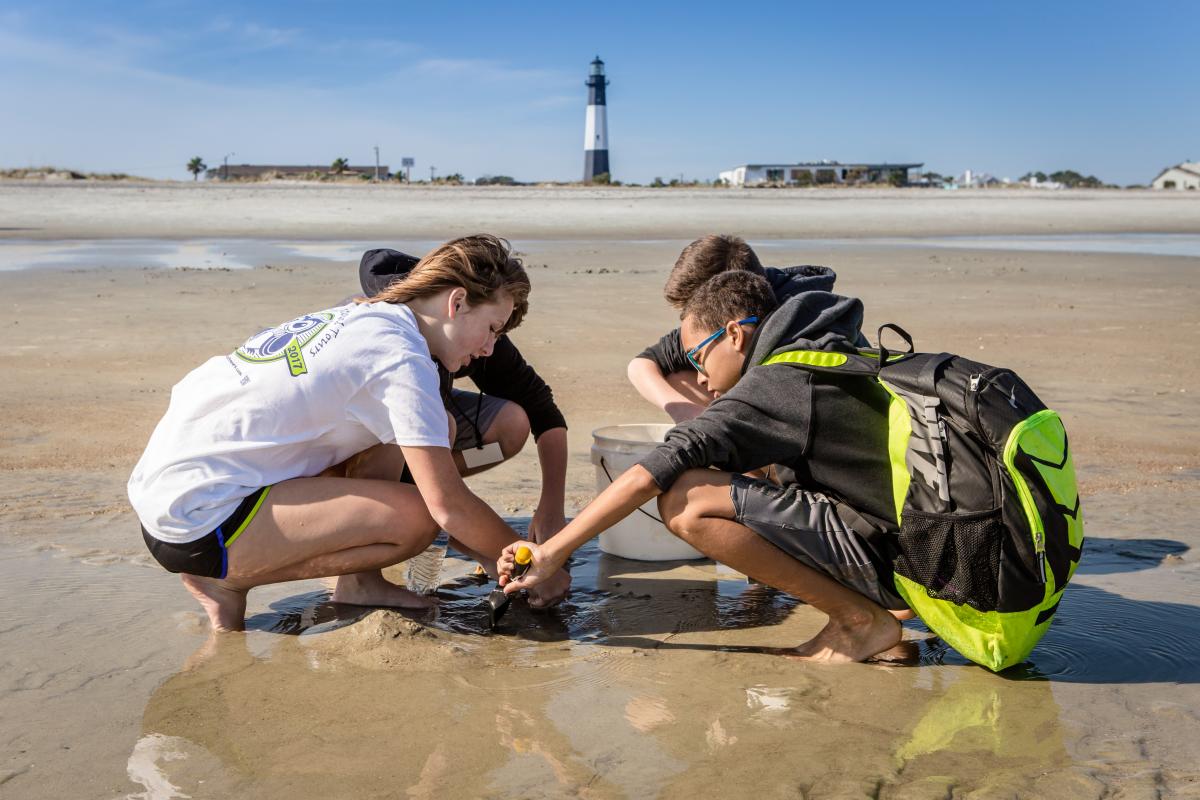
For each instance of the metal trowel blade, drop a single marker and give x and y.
(498, 603)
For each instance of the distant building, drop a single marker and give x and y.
(233, 172)
(1034, 183)
(814, 172)
(976, 180)
(1181, 176)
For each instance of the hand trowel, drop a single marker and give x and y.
(497, 600)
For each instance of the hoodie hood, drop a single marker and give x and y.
(809, 321)
(787, 282)
(378, 268)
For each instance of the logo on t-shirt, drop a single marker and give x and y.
(286, 342)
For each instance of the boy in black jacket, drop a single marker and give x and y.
(825, 532)
(512, 400)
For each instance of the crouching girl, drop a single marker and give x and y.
(280, 461)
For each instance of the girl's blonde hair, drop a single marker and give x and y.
(482, 264)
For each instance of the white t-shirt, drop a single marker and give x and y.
(290, 402)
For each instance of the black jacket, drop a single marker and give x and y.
(504, 374)
(667, 352)
(828, 433)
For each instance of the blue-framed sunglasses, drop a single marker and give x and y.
(691, 354)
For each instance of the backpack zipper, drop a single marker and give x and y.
(1039, 539)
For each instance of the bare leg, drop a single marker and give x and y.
(321, 527)
(699, 510)
(510, 428)
(383, 462)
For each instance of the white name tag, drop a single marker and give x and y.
(482, 456)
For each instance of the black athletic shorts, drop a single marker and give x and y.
(207, 556)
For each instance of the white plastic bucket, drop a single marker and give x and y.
(641, 536)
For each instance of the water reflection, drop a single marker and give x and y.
(510, 719)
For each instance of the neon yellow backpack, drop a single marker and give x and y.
(990, 523)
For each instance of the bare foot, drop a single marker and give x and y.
(226, 606)
(372, 589)
(846, 640)
(906, 653)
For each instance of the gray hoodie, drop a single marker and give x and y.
(828, 432)
(787, 282)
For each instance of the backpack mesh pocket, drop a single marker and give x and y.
(956, 557)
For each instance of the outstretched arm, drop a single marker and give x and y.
(549, 517)
(631, 489)
(454, 507)
(468, 519)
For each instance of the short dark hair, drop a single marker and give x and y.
(731, 296)
(702, 259)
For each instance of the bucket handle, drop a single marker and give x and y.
(604, 467)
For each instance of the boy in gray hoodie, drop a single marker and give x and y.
(661, 373)
(825, 532)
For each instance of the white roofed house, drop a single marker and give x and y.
(1180, 176)
(810, 173)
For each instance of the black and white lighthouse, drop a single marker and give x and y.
(595, 138)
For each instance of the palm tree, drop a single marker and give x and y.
(196, 166)
(339, 166)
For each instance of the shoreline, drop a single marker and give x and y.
(22, 255)
(176, 211)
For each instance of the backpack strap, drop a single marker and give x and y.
(928, 374)
(886, 355)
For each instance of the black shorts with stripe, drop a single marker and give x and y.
(207, 556)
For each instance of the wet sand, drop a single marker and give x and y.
(653, 680)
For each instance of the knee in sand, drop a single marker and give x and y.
(511, 429)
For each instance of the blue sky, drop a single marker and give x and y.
(1003, 87)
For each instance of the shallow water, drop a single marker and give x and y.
(1098, 636)
(1150, 244)
(21, 254)
(655, 679)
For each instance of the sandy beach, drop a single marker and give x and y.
(651, 681)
